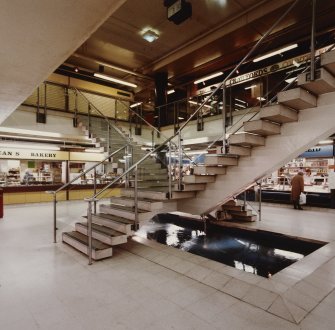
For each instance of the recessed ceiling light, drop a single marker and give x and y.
(150, 35)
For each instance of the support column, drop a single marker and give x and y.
(161, 80)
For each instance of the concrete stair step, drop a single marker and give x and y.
(278, 113)
(232, 207)
(246, 213)
(125, 212)
(261, 127)
(198, 179)
(150, 166)
(153, 171)
(143, 204)
(151, 194)
(246, 139)
(117, 223)
(297, 98)
(324, 82)
(235, 150)
(80, 243)
(103, 234)
(209, 170)
(153, 176)
(183, 194)
(328, 61)
(150, 184)
(191, 187)
(223, 160)
(246, 218)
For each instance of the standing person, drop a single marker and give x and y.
(297, 187)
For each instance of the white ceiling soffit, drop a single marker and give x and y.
(37, 36)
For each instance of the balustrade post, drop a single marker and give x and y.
(312, 77)
(170, 171)
(95, 189)
(180, 151)
(260, 202)
(136, 224)
(55, 217)
(89, 230)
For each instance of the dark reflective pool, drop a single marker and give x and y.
(261, 253)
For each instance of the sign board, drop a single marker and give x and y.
(87, 156)
(319, 151)
(14, 153)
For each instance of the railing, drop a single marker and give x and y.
(55, 192)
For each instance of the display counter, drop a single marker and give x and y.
(37, 193)
(317, 196)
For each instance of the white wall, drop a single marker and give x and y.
(56, 122)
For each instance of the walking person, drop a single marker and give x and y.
(297, 187)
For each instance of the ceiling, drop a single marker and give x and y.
(216, 37)
(39, 37)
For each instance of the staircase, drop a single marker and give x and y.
(303, 116)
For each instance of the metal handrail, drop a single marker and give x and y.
(89, 169)
(126, 138)
(134, 166)
(177, 133)
(54, 192)
(289, 85)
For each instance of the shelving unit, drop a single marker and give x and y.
(13, 177)
(317, 166)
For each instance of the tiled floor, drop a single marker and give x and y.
(148, 286)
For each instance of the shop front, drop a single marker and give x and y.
(26, 175)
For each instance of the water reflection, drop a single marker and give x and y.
(238, 251)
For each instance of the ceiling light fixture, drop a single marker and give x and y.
(289, 80)
(8, 144)
(135, 105)
(259, 98)
(249, 87)
(118, 81)
(150, 35)
(326, 142)
(276, 52)
(238, 100)
(217, 74)
(170, 91)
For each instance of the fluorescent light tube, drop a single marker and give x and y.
(259, 98)
(171, 91)
(135, 104)
(289, 80)
(238, 100)
(28, 146)
(118, 81)
(276, 52)
(249, 87)
(326, 142)
(208, 77)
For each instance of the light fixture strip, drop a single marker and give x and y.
(250, 87)
(276, 52)
(118, 81)
(135, 105)
(241, 101)
(170, 91)
(217, 74)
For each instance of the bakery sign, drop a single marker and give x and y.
(14, 153)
